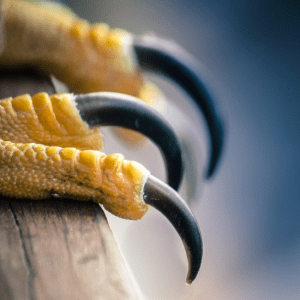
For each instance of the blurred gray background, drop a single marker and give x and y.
(249, 213)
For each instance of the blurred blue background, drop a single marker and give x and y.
(249, 213)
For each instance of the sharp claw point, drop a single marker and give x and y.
(169, 59)
(172, 206)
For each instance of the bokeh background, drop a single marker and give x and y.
(249, 213)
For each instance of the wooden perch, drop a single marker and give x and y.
(59, 248)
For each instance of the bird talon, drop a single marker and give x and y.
(46, 144)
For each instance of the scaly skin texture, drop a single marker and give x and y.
(42, 137)
(46, 120)
(88, 58)
(29, 169)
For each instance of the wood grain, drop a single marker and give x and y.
(58, 248)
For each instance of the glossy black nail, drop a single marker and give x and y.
(113, 109)
(169, 59)
(160, 196)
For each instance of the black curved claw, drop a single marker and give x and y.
(113, 109)
(172, 206)
(169, 59)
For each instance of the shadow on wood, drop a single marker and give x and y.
(59, 249)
